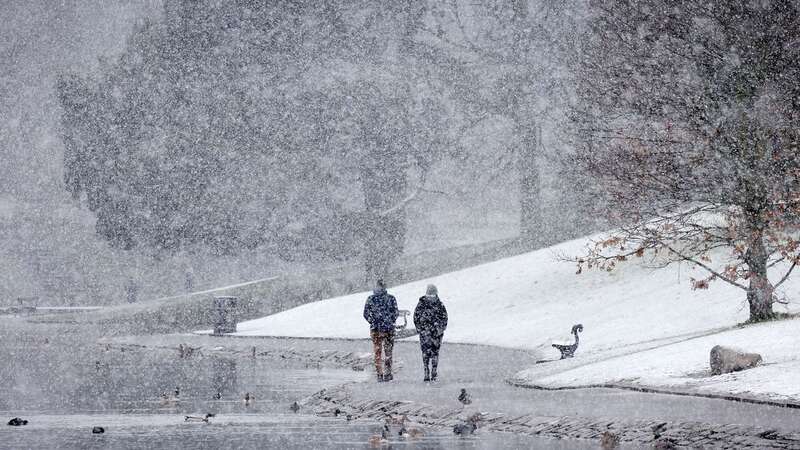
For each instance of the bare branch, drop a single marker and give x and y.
(786, 275)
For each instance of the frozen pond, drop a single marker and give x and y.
(59, 379)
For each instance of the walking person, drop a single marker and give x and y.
(430, 319)
(381, 312)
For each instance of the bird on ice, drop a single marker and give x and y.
(464, 397)
(198, 419)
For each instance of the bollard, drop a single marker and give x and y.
(225, 314)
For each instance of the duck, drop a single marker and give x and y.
(294, 407)
(411, 432)
(98, 430)
(171, 398)
(665, 443)
(662, 442)
(379, 440)
(469, 425)
(464, 428)
(609, 440)
(394, 420)
(407, 430)
(464, 397)
(198, 419)
(248, 399)
(17, 422)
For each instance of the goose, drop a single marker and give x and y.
(568, 350)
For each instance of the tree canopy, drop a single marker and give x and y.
(234, 125)
(689, 114)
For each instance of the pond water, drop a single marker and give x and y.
(64, 383)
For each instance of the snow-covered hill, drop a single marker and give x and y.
(529, 300)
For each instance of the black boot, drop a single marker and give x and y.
(380, 378)
(387, 370)
(434, 367)
(427, 370)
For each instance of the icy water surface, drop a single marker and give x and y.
(64, 383)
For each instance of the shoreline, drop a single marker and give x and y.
(654, 390)
(644, 388)
(372, 401)
(338, 401)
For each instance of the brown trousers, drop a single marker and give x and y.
(383, 342)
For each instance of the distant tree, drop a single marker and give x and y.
(234, 127)
(508, 45)
(689, 119)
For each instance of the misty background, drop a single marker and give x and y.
(50, 247)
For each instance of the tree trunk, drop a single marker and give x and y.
(759, 292)
(530, 208)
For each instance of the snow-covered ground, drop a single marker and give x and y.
(684, 365)
(641, 325)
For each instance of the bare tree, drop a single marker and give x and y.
(511, 40)
(688, 117)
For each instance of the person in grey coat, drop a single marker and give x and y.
(430, 319)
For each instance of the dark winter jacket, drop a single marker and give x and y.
(430, 316)
(381, 311)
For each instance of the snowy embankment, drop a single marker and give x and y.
(642, 325)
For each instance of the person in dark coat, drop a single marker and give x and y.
(430, 319)
(381, 312)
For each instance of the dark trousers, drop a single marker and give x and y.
(383, 342)
(430, 344)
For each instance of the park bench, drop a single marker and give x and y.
(402, 331)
